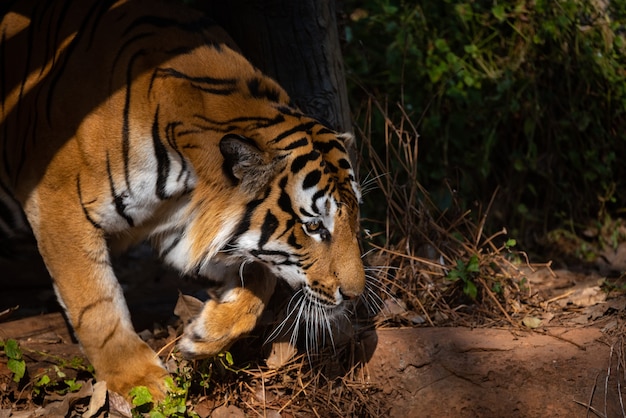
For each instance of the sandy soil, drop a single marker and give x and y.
(570, 364)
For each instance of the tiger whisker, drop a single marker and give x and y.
(369, 183)
(296, 297)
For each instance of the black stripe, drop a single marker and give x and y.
(118, 199)
(171, 140)
(312, 179)
(224, 83)
(260, 90)
(317, 196)
(291, 240)
(82, 205)
(332, 168)
(276, 253)
(126, 120)
(326, 147)
(173, 245)
(296, 144)
(60, 71)
(324, 131)
(196, 25)
(162, 157)
(212, 90)
(345, 164)
(306, 213)
(230, 124)
(121, 52)
(78, 322)
(289, 111)
(111, 334)
(304, 127)
(270, 224)
(244, 223)
(284, 201)
(300, 162)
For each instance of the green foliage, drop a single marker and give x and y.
(15, 362)
(465, 272)
(187, 374)
(525, 96)
(174, 405)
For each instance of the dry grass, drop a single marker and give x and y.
(411, 251)
(433, 258)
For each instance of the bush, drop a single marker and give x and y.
(527, 97)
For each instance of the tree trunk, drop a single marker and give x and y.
(296, 42)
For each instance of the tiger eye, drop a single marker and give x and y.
(313, 226)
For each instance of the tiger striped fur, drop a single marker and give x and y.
(130, 120)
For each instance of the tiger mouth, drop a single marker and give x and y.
(321, 301)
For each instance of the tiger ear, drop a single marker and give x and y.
(349, 142)
(245, 164)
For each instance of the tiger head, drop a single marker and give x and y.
(306, 216)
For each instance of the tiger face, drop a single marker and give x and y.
(307, 225)
(121, 127)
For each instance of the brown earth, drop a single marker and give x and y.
(566, 363)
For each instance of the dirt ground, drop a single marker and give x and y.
(567, 362)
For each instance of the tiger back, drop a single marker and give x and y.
(123, 121)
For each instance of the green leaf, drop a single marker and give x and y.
(18, 367)
(510, 243)
(474, 264)
(43, 381)
(470, 49)
(499, 12)
(141, 395)
(12, 349)
(470, 289)
(72, 385)
(229, 358)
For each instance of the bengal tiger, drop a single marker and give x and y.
(124, 121)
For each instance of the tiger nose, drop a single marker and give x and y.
(352, 290)
(347, 294)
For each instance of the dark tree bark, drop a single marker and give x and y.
(296, 42)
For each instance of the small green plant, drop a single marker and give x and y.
(174, 405)
(186, 375)
(39, 387)
(16, 363)
(465, 272)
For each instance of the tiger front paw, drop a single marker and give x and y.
(223, 321)
(217, 327)
(138, 366)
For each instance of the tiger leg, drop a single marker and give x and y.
(221, 322)
(76, 255)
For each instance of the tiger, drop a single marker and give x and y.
(124, 121)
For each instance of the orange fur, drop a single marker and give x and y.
(117, 128)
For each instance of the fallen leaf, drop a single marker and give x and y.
(62, 407)
(118, 406)
(282, 352)
(531, 322)
(187, 307)
(230, 411)
(587, 296)
(98, 399)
